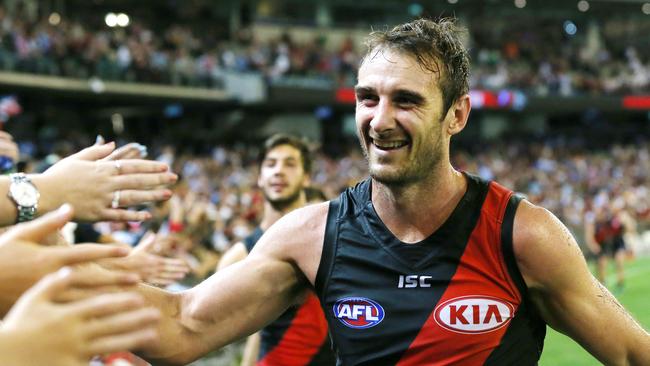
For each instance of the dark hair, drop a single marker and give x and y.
(432, 44)
(291, 140)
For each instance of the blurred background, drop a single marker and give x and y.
(560, 93)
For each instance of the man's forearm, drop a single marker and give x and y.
(172, 349)
(640, 353)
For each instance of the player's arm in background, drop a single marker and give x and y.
(244, 297)
(234, 254)
(569, 298)
(590, 233)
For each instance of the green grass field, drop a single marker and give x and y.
(560, 350)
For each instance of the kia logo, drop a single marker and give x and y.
(473, 314)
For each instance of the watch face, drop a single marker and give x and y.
(25, 194)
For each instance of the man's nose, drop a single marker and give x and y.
(383, 118)
(279, 169)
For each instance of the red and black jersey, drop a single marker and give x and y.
(455, 298)
(299, 337)
(608, 230)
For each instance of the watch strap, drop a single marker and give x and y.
(25, 213)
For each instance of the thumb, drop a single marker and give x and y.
(94, 152)
(49, 286)
(40, 228)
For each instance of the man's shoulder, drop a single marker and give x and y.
(541, 240)
(297, 238)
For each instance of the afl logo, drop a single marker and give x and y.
(358, 312)
(473, 314)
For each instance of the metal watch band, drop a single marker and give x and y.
(25, 213)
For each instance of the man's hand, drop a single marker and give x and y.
(98, 189)
(40, 331)
(24, 261)
(153, 268)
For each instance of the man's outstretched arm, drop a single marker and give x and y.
(569, 298)
(244, 297)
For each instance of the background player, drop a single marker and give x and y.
(299, 335)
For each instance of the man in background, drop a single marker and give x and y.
(299, 336)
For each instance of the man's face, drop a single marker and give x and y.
(398, 117)
(282, 177)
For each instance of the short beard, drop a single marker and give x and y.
(420, 169)
(282, 204)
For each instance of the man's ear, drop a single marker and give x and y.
(459, 114)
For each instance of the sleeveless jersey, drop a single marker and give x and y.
(455, 298)
(299, 336)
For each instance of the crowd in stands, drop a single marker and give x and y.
(570, 181)
(542, 59)
(535, 57)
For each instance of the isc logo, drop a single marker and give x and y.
(473, 314)
(358, 312)
(412, 281)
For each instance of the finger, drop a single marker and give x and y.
(125, 341)
(94, 152)
(107, 304)
(133, 197)
(75, 294)
(111, 214)
(169, 276)
(172, 272)
(135, 166)
(99, 140)
(175, 263)
(129, 151)
(94, 276)
(161, 282)
(143, 181)
(41, 227)
(123, 321)
(87, 252)
(49, 286)
(181, 267)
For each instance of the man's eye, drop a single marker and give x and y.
(405, 101)
(367, 97)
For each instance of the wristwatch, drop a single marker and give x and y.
(25, 195)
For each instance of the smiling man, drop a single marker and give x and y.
(420, 264)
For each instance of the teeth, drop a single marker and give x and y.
(389, 144)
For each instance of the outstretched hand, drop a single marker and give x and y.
(153, 268)
(99, 189)
(44, 332)
(24, 261)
